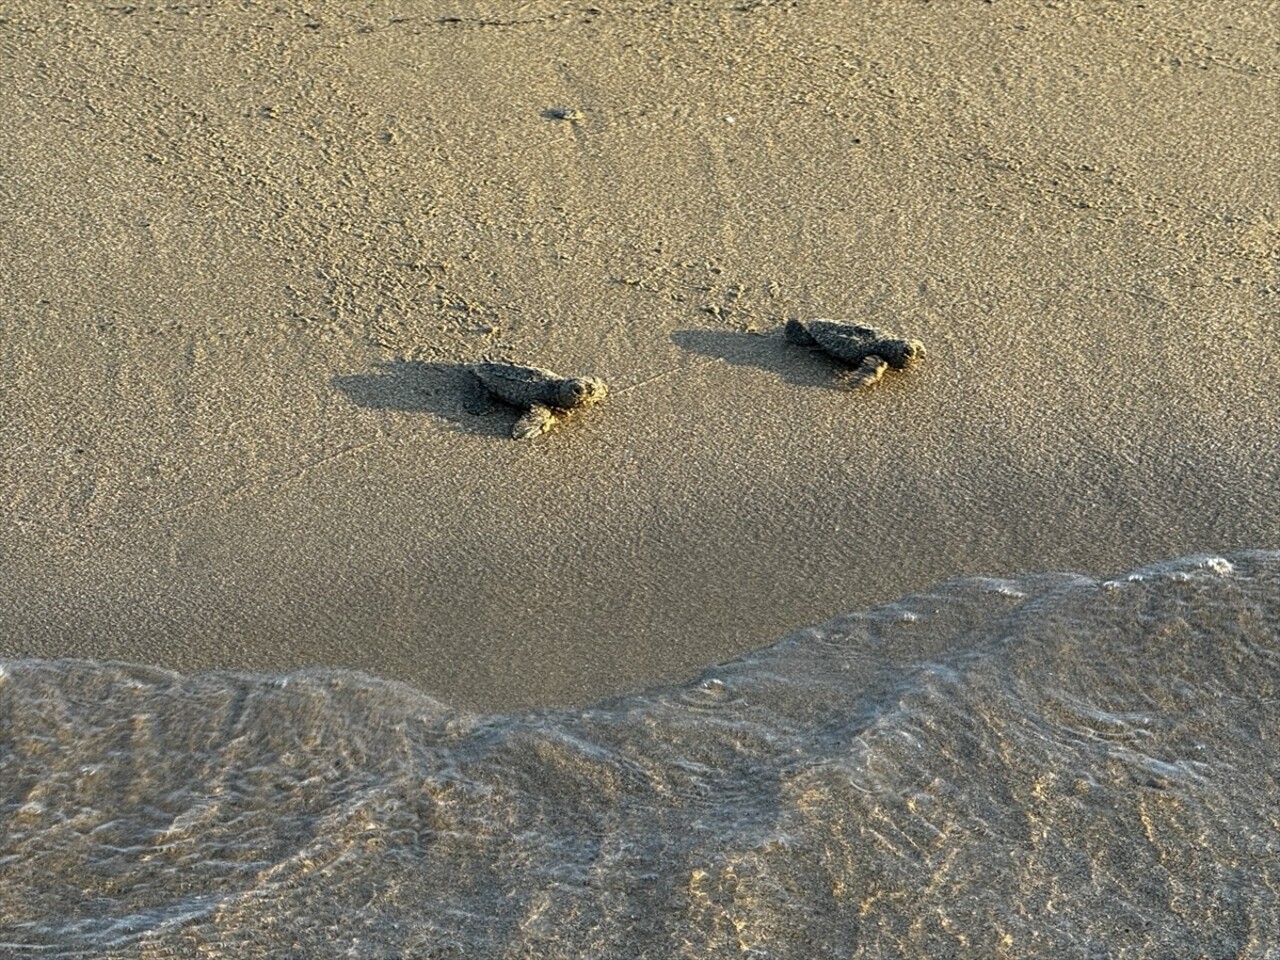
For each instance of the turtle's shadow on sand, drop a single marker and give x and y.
(447, 390)
(802, 366)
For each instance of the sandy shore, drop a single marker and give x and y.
(246, 251)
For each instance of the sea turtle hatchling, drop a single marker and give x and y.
(545, 396)
(869, 351)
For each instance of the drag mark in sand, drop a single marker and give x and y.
(82, 532)
(277, 477)
(61, 530)
(679, 368)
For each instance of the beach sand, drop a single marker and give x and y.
(247, 248)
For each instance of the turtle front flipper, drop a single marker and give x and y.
(865, 374)
(534, 422)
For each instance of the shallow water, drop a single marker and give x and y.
(1048, 766)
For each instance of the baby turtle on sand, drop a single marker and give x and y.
(869, 351)
(571, 114)
(546, 396)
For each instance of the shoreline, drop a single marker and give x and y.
(247, 256)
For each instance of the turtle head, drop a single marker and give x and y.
(901, 353)
(581, 391)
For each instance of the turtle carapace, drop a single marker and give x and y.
(870, 352)
(545, 396)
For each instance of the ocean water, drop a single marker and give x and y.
(1049, 766)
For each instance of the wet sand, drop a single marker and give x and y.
(246, 252)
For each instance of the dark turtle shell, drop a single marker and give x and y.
(853, 343)
(523, 386)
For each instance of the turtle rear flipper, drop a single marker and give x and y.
(865, 374)
(536, 421)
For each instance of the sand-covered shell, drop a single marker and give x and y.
(544, 395)
(869, 351)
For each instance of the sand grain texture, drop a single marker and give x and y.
(247, 249)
